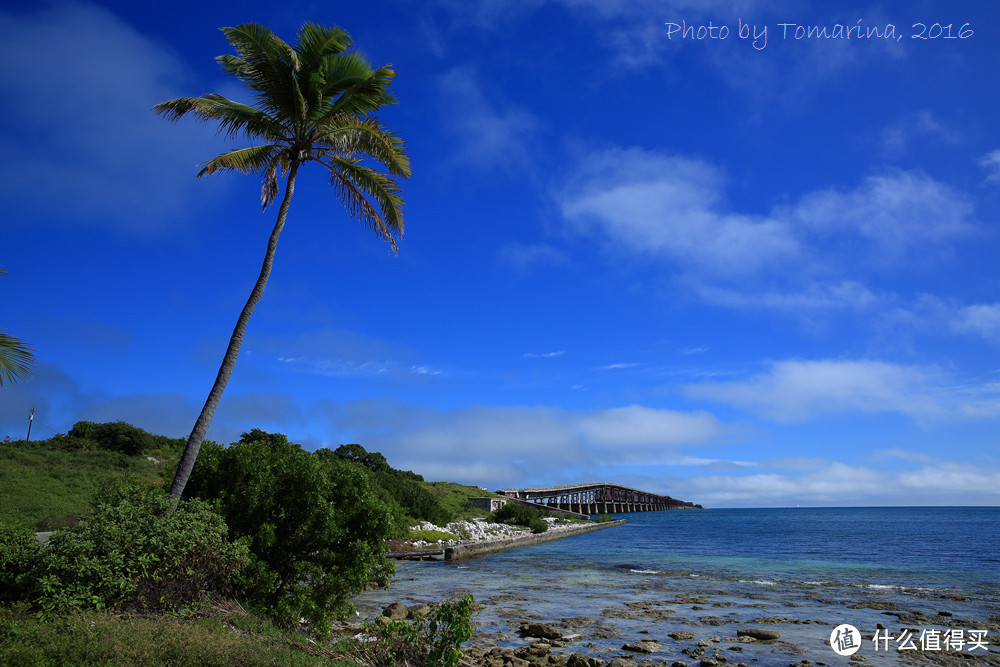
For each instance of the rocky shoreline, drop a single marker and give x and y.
(556, 611)
(478, 537)
(570, 642)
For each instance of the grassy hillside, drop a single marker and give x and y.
(48, 484)
(455, 498)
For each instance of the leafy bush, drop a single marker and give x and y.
(538, 526)
(316, 532)
(119, 437)
(603, 518)
(402, 491)
(516, 514)
(18, 551)
(431, 535)
(418, 503)
(131, 553)
(434, 640)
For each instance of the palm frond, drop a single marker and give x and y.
(266, 65)
(367, 138)
(269, 185)
(316, 43)
(250, 160)
(16, 359)
(234, 118)
(353, 94)
(369, 196)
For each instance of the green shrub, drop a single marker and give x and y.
(131, 553)
(430, 535)
(315, 530)
(119, 437)
(603, 518)
(18, 552)
(537, 525)
(434, 640)
(516, 514)
(402, 491)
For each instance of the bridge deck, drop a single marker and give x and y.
(595, 498)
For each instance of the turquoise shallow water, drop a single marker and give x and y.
(801, 571)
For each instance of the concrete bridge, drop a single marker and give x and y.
(599, 498)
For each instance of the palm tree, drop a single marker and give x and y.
(314, 102)
(16, 358)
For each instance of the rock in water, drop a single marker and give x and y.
(397, 611)
(759, 635)
(540, 631)
(644, 646)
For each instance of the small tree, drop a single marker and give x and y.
(131, 554)
(316, 532)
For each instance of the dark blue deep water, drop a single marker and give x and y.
(801, 571)
(936, 547)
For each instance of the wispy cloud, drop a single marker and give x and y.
(507, 445)
(800, 390)
(671, 207)
(488, 133)
(839, 484)
(991, 163)
(894, 214)
(815, 296)
(674, 209)
(334, 367)
(543, 355)
(115, 162)
(524, 257)
(916, 126)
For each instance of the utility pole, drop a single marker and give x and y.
(31, 418)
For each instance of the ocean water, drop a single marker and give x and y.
(711, 572)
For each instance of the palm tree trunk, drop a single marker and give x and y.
(194, 441)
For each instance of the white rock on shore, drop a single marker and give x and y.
(477, 530)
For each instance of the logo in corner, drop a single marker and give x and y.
(845, 639)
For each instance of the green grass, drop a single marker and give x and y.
(44, 487)
(455, 498)
(430, 536)
(101, 638)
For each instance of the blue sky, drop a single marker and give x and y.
(742, 273)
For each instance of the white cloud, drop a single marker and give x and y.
(80, 140)
(636, 426)
(846, 294)
(991, 162)
(341, 353)
(674, 209)
(543, 355)
(892, 213)
(839, 484)
(979, 319)
(916, 126)
(524, 257)
(801, 390)
(929, 313)
(490, 134)
(508, 445)
(671, 207)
